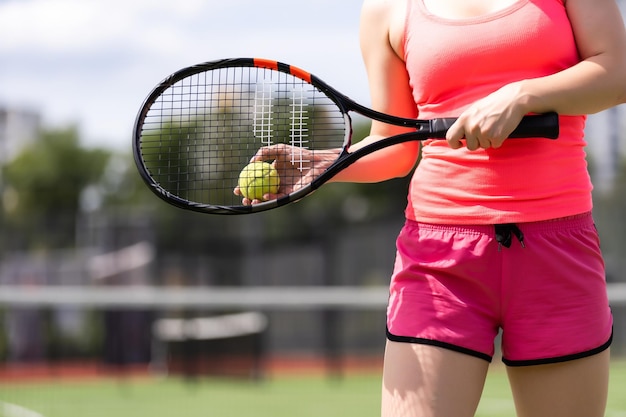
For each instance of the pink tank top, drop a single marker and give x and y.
(454, 62)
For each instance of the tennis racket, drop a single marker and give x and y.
(200, 127)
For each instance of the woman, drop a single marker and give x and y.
(499, 234)
(490, 62)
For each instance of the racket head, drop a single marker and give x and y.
(200, 126)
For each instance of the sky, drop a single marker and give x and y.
(91, 63)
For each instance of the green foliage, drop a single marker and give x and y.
(51, 175)
(46, 182)
(121, 185)
(51, 182)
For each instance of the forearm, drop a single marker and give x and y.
(588, 87)
(393, 162)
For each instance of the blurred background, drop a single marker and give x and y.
(97, 275)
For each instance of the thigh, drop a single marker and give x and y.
(428, 381)
(555, 304)
(445, 288)
(576, 388)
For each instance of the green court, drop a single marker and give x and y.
(356, 394)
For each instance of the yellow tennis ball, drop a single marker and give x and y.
(258, 179)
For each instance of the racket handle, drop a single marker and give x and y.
(534, 126)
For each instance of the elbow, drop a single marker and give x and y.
(621, 89)
(621, 83)
(405, 168)
(405, 161)
(621, 99)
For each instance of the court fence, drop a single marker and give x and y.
(201, 331)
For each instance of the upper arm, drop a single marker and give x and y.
(598, 28)
(381, 27)
(390, 93)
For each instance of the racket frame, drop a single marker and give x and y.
(545, 126)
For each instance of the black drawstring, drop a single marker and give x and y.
(504, 233)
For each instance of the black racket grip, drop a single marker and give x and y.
(534, 126)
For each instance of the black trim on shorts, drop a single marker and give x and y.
(430, 342)
(559, 359)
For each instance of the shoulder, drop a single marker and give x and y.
(385, 20)
(377, 5)
(375, 14)
(384, 9)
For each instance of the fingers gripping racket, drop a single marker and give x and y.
(201, 126)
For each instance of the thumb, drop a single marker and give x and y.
(454, 135)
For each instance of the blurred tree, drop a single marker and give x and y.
(121, 185)
(45, 184)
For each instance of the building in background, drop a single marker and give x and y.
(18, 128)
(606, 138)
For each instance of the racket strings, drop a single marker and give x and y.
(201, 131)
(299, 130)
(263, 113)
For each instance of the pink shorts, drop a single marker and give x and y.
(457, 286)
